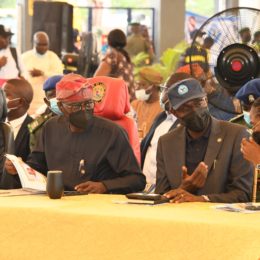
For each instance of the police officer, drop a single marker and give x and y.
(247, 94)
(52, 109)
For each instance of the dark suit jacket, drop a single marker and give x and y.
(22, 149)
(147, 140)
(22, 141)
(230, 176)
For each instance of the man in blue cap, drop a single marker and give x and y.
(52, 109)
(201, 160)
(247, 94)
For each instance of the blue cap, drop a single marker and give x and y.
(184, 91)
(51, 82)
(249, 92)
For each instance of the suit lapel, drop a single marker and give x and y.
(215, 142)
(179, 150)
(22, 131)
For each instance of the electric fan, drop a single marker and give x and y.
(233, 58)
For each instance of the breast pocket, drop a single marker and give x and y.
(86, 170)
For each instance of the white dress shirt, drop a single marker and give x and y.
(50, 64)
(17, 123)
(150, 165)
(9, 70)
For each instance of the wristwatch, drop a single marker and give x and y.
(206, 198)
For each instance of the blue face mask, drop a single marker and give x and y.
(54, 107)
(247, 118)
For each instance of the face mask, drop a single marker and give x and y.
(164, 105)
(54, 106)
(256, 137)
(80, 118)
(196, 121)
(141, 95)
(12, 104)
(247, 118)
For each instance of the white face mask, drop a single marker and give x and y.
(141, 95)
(10, 101)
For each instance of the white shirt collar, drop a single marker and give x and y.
(17, 123)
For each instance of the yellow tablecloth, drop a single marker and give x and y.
(93, 227)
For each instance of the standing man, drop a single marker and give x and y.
(93, 153)
(201, 160)
(10, 65)
(40, 63)
(136, 43)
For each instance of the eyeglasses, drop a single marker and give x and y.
(74, 107)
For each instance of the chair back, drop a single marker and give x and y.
(112, 102)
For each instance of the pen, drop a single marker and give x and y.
(214, 164)
(81, 167)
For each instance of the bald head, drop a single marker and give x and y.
(19, 94)
(41, 42)
(19, 88)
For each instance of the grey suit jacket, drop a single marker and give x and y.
(230, 176)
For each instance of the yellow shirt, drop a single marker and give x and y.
(146, 113)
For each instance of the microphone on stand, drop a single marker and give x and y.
(256, 174)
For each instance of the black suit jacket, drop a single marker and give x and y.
(22, 140)
(22, 149)
(230, 176)
(147, 139)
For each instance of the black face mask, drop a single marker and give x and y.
(80, 118)
(256, 137)
(197, 121)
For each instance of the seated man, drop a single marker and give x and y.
(247, 94)
(19, 94)
(162, 124)
(93, 153)
(201, 160)
(251, 147)
(147, 105)
(51, 110)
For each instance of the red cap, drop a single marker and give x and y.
(73, 88)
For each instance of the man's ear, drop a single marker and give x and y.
(24, 103)
(47, 102)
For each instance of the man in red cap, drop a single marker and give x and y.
(93, 153)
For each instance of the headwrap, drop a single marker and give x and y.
(73, 88)
(197, 71)
(150, 75)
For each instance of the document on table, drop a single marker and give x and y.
(19, 192)
(30, 178)
(240, 207)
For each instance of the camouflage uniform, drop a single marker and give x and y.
(36, 125)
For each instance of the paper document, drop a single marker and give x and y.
(19, 192)
(30, 178)
(240, 207)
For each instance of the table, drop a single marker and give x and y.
(94, 227)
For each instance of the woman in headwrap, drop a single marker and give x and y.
(117, 63)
